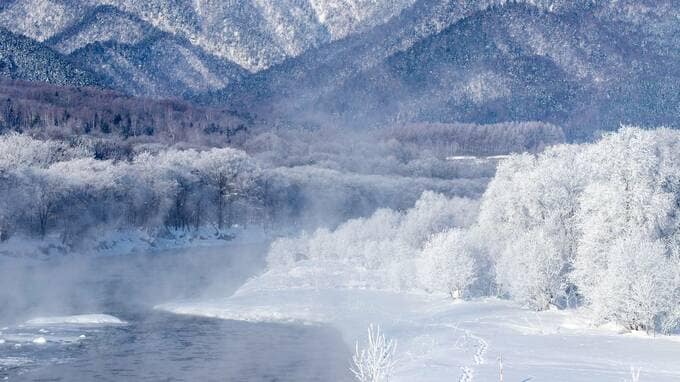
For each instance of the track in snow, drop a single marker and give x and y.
(467, 374)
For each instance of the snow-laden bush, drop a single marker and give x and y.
(447, 264)
(375, 361)
(388, 242)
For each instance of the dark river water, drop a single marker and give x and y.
(153, 345)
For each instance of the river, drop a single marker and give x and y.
(152, 345)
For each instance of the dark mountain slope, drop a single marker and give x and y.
(160, 65)
(25, 59)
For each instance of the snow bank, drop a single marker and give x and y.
(440, 340)
(81, 319)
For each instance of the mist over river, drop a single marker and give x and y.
(151, 345)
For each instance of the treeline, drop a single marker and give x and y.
(448, 139)
(51, 187)
(56, 112)
(59, 112)
(64, 188)
(77, 158)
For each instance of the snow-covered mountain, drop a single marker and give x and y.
(167, 48)
(140, 59)
(252, 33)
(583, 66)
(375, 61)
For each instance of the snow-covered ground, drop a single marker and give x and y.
(442, 340)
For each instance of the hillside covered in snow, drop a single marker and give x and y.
(584, 65)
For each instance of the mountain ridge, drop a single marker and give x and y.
(364, 63)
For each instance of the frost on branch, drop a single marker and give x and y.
(375, 361)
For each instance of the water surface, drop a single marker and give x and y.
(153, 346)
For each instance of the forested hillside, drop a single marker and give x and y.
(587, 69)
(585, 66)
(25, 59)
(66, 112)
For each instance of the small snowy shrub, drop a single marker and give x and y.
(447, 265)
(634, 375)
(375, 361)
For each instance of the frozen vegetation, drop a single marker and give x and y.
(291, 179)
(590, 225)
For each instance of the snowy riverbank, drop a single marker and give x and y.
(441, 340)
(123, 242)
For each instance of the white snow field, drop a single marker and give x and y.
(443, 340)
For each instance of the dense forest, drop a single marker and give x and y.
(50, 111)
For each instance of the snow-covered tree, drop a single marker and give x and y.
(230, 174)
(530, 210)
(447, 264)
(638, 288)
(531, 270)
(387, 243)
(590, 222)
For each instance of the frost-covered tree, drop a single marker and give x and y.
(447, 264)
(638, 287)
(229, 173)
(386, 244)
(629, 222)
(533, 196)
(62, 187)
(597, 223)
(531, 270)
